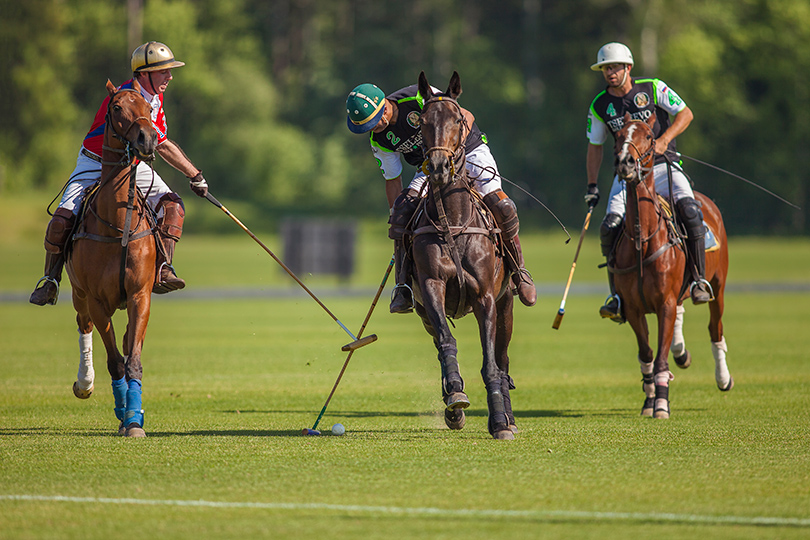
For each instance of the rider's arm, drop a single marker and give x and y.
(679, 125)
(393, 187)
(174, 156)
(593, 162)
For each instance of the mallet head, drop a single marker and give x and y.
(362, 342)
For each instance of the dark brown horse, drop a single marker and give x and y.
(112, 262)
(458, 268)
(650, 270)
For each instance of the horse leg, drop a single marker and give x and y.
(83, 386)
(115, 361)
(683, 359)
(491, 371)
(503, 336)
(666, 319)
(725, 381)
(138, 313)
(645, 359)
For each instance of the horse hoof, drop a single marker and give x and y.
(647, 408)
(728, 387)
(135, 431)
(457, 400)
(455, 418)
(504, 435)
(662, 414)
(81, 393)
(513, 428)
(684, 361)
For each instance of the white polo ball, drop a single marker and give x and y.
(338, 429)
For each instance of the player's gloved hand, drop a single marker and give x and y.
(198, 185)
(592, 196)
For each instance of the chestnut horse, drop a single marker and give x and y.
(651, 274)
(112, 260)
(458, 269)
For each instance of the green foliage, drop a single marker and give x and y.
(259, 105)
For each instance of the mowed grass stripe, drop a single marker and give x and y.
(650, 517)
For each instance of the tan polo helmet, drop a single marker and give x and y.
(153, 56)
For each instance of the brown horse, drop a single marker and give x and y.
(112, 262)
(458, 269)
(650, 270)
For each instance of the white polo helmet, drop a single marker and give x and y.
(612, 53)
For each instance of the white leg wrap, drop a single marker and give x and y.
(721, 374)
(678, 345)
(663, 378)
(86, 375)
(646, 371)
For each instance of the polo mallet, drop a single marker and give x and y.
(561, 312)
(314, 430)
(357, 342)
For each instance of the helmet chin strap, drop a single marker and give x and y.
(624, 78)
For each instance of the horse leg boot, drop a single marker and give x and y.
(689, 211)
(56, 237)
(401, 214)
(505, 213)
(170, 227)
(609, 232)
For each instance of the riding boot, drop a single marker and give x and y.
(505, 213)
(524, 286)
(609, 232)
(689, 211)
(401, 214)
(167, 280)
(56, 237)
(402, 295)
(170, 227)
(613, 305)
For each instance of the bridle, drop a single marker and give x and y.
(128, 151)
(457, 154)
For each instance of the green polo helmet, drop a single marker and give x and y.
(364, 108)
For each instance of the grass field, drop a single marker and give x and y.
(230, 379)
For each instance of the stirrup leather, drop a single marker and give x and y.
(49, 279)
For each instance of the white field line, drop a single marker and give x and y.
(440, 512)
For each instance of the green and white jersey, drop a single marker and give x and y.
(404, 138)
(647, 96)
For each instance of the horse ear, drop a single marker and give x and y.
(627, 118)
(424, 87)
(651, 120)
(110, 87)
(454, 88)
(136, 85)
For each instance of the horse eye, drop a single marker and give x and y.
(117, 108)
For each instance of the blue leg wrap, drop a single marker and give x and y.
(119, 389)
(134, 414)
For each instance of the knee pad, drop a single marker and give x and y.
(692, 217)
(58, 230)
(505, 212)
(171, 224)
(608, 232)
(402, 212)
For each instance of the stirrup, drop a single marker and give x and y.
(708, 286)
(163, 287)
(408, 295)
(608, 314)
(49, 279)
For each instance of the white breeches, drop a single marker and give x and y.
(617, 201)
(481, 168)
(87, 171)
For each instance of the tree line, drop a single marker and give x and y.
(260, 104)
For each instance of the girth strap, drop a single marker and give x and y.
(455, 231)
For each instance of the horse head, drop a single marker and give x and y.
(635, 149)
(129, 117)
(442, 127)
